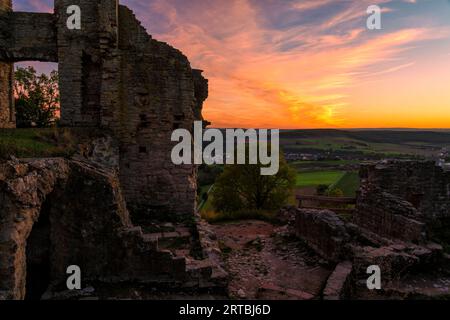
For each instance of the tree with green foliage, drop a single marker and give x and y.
(36, 98)
(242, 187)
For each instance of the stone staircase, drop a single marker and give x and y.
(185, 244)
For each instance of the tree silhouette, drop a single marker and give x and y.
(36, 98)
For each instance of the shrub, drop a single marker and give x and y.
(243, 188)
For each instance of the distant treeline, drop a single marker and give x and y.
(375, 136)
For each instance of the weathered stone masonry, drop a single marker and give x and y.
(6, 73)
(51, 218)
(115, 76)
(401, 221)
(419, 191)
(58, 212)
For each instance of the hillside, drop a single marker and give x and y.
(365, 144)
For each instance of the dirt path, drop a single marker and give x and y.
(265, 264)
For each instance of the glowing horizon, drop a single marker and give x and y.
(309, 64)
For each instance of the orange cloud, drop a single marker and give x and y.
(255, 83)
(270, 64)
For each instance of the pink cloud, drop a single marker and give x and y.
(281, 74)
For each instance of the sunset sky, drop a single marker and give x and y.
(311, 63)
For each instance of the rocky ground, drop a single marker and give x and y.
(262, 260)
(265, 263)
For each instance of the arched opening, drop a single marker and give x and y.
(38, 256)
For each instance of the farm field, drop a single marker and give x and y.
(313, 179)
(365, 144)
(348, 183)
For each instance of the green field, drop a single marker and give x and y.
(312, 179)
(366, 143)
(348, 183)
(48, 142)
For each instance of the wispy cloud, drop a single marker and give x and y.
(33, 5)
(291, 63)
(259, 67)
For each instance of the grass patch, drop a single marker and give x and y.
(348, 183)
(311, 179)
(43, 143)
(33, 143)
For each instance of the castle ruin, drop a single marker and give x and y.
(400, 223)
(116, 78)
(126, 215)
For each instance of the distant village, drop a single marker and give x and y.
(442, 157)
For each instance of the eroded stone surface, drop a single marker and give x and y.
(115, 76)
(137, 90)
(401, 210)
(86, 224)
(422, 184)
(339, 281)
(323, 230)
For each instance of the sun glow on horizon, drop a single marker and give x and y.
(310, 63)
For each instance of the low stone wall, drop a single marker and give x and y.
(339, 282)
(421, 183)
(389, 216)
(396, 261)
(323, 231)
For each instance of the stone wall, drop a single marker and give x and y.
(389, 216)
(157, 96)
(400, 224)
(23, 36)
(201, 93)
(23, 189)
(99, 237)
(7, 116)
(50, 211)
(323, 231)
(339, 283)
(81, 55)
(41, 46)
(421, 183)
(113, 75)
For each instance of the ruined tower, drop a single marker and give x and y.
(7, 117)
(115, 76)
(81, 55)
